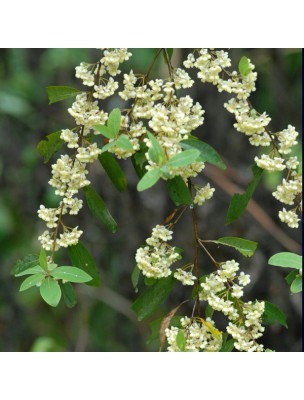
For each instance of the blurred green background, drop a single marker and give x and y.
(103, 320)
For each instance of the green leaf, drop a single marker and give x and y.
(50, 292)
(107, 146)
(99, 209)
(81, 258)
(244, 66)
(178, 191)
(71, 274)
(47, 148)
(135, 278)
(296, 285)
(207, 152)
(139, 162)
(181, 340)
(114, 171)
(31, 271)
(29, 261)
(150, 281)
(291, 276)
(156, 152)
(32, 280)
(239, 202)
(227, 346)
(114, 121)
(69, 295)
(152, 298)
(105, 131)
(245, 247)
(58, 93)
(183, 159)
(209, 311)
(124, 143)
(272, 314)
(149, 179)
(286, 260)
(43, 260)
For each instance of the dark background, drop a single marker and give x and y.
(103, 320)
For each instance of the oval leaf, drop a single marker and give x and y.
(105, 131)
(47, 148)
(99, 209)
(183, 159)
(81, 258)
(149, 179)
(31, 271)
(296, 285)
(58, 93)
(31, 281)
(244, 67)
(69, 295)
(29, 261)
(239, 202)
(43, 260)
(156, 152)
(178, 191)
(50, 292)
(286, 259)
(114, 171)
(181, 340)
(272, 314)
(245, 247)
(71, 274)
(152, 298)
(207, 152)
(114, 122)
(124, 142)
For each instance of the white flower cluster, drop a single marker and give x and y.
(186, 278)
(203, 194)
(197, 334)
(222, 293)
(156, 259)
(69, 173)
(212, 68)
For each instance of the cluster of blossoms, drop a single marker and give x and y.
(199, 336)
(212, 67)
(155, 259)
(203, 194)
(223, 294)
(69, 172)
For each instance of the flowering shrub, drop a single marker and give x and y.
(156, 130)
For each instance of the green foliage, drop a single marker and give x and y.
(31, 281)
(149, 179)
(272, 314)
(105, 131)
(82, 259)
(58, 93)
(123, 142)
(156, 152)
(139, 161)
(43, 260)
(28, 262)
(207, 152)
(114, 171)
(135, 278)
(286, 260)
(181, 340)
(152, 298)
(244, 246)
(47, 148)
(183, 159)
(289, 260)
(209, 311)
(50, 292)
(227, 345)
(244, 67)
(239, 202)
(169, 53)
(156, 324)
(69, 295)
(71, 274)
(99, 209)
(178, 191)
(114, 121)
